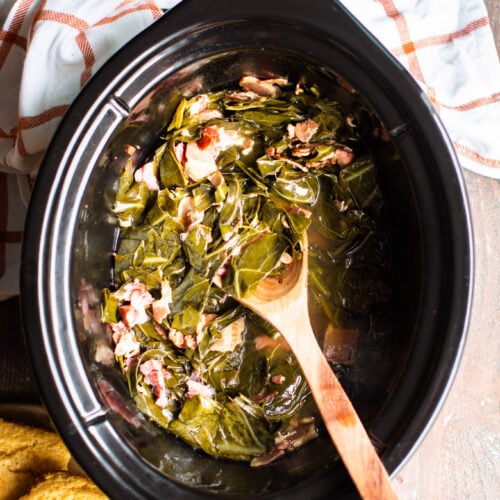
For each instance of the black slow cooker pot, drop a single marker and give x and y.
(70, 234)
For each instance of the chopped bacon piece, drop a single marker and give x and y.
(200, 327)
(130, 288)
(243, 96)
(344, 157)
(295, 209)
(140, 298)
(162, 397)
(199, 109)
(277, 379)
(305, 130)
(187, 215)
(265, 88)
(126, 344)
(200, 162)
(151, 370)
(263, 341)
(231, 336)
(200, 103)
(130, 316)
(191, 342)
(201, 155)
(177, 338)
(208, 136)
(137, 294)
(118, 329)
(161, 307)
(180, 152)
(154, 374)
(181, 340)
(147, 175)
(196, 387)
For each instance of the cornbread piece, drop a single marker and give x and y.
(64, 485)
(25, 453)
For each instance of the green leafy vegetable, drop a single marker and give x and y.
(225, 199)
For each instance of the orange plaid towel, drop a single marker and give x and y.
(49, 49)
(448, 47)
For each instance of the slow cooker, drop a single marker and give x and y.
(70, 234)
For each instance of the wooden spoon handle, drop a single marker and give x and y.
(290, 316)
(343, 424)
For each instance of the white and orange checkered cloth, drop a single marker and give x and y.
(50, 48)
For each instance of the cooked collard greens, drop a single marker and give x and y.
(223, 202)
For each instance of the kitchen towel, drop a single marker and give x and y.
(50, 48)
(48, 51)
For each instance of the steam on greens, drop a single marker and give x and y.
(223, 202)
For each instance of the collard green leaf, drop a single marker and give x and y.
(256, 261)
(191, 291)
(226, 429)
(360, 180)
(186, 320)
(231, 213)
(195, 246)
(171, 170)
(164, 210)
(131, 199)
(177, 119)
(269, 166)
(198, 423)
(109, 307)
(241, 434)
(295, 187)
(271, 117)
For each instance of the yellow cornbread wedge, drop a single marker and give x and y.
(64, 485)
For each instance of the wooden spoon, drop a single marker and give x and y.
(283, 302)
